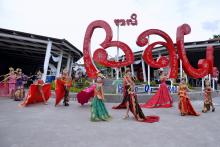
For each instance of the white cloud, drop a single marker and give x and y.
(69, 19)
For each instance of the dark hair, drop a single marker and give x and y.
(160, 72)
(133, 78)
(98, 77)
(183, 79)
(128, 70)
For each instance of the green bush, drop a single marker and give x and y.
(53, 85)
(153, 83)
(189, 86)
(175, 84)
(75, 86)
(75, 89)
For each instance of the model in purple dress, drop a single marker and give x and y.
(19, 94)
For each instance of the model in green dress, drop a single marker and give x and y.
(98, 109)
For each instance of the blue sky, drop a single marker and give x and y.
(69, 18)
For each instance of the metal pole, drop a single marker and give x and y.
(47, 60)
(144, 71)
(117, 70)
(148, 67)
(125, 68)
(148, 75)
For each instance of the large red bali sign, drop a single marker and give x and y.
(100, 55)
(205, 66)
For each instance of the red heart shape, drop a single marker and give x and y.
(100, 55)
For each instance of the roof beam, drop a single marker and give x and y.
(23, 38)
(71, 49)
(35, 44)
(27, 49)
(21, 54)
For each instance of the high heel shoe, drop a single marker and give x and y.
(126, 116)
(213, 109)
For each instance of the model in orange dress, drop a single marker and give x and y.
(208, 97)
(185, 105)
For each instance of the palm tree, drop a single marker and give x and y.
(216, 36)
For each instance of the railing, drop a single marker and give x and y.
(144, 88)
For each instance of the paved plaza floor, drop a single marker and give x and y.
(48, 126)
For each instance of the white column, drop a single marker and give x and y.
(148, 74)
(210, 78)
(117, 73)
(143, 68)
(59, 64)
(47, 60)
(181, 69)
(202, 84)
(171, 85)
(68, 62)
(132, 69)
(213, 84)
(71, 67)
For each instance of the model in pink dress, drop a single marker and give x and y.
(11, 78)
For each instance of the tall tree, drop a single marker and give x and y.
(216, 36)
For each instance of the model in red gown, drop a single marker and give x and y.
(62, 89)
(38, 92)
(162, 98)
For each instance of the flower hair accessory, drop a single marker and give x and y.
(99, 74)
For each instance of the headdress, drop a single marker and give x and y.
(99, 74)
(65, 70)
(39, 72)
(19, 70)
(11, 69)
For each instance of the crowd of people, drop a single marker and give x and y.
(13, 83)
(39, 91)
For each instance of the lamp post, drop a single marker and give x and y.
(123, 22)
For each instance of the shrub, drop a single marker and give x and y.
(76, 86)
